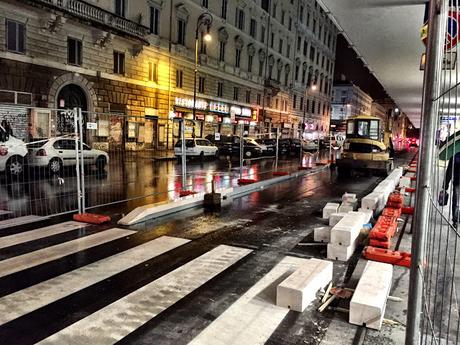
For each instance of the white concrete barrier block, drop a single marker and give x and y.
(322, 234)
(346, 231)
(335, 218)
(367, 306)
(370, 201)
(299, 289)
(329, 209)
(368, 214)
(345, 208)
(340, 253)
(405, 182)
(349, 197)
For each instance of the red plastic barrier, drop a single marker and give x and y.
(381, 233)
(387, 256)
(407, 210)
(183, 193)
(91, 218)
(246, 180)
(380, 244)
(280, 173)
(410, 190)
(413, 178)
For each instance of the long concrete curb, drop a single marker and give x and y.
(153, 211)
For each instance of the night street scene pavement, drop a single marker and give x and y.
(229, 172)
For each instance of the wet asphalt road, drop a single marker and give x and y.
(134, 177)
(271, 222)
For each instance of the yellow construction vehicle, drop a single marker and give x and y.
(367, 146)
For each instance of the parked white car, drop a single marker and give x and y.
(12, 154)
(196, 148)
(57, 153)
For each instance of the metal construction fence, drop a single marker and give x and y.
(433, 310)
(55, 161)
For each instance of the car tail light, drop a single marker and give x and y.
(41, 153)
(3, 151)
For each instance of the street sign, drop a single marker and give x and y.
(217, 136)
(452, 30)
(91, 125)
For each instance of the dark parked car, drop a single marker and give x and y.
(294, 146)
(224, 144)
(269, 144)
(250, 149)
(284, 146)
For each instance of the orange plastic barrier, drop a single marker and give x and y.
(387, 256)
(391, 212)
(407, 210)
(91, 218)
(381, 244)
(410, 190)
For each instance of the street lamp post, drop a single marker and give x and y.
(204, 20)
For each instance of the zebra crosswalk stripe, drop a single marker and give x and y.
(115, 321)
(8, 241)
(25, 301)
(38, 257)
(255, 315)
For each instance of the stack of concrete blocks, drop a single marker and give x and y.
(367, 306)
(349, 203)
(335, 218)
(373, 201)
(299, 289)
(344, 236)
(329, 209)
(322, 234)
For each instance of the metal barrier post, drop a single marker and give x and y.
(277, 147)
(241, 150)
(82, 160)
(183, 154)
(77, 159)
(424, 176)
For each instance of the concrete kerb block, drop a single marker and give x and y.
(330, 208)
(322, 234)
(335, 218)
(299, 289)
(367, 306)
(347, 230)
(340, 253)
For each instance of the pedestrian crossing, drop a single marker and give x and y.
(250, 320)
(32, 235)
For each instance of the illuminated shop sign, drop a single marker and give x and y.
(238, 111)
(188, 103)
(218, 107)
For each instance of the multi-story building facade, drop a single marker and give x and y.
(269, 65)
(349, 100)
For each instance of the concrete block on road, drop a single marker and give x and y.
(367, 306)
(368, 215)
(329, 209)
(346, 207)
(349, 197)
(340, 253)
(347, 230)
(405, 182)
(372, 201)
(335, 218)
(322, 234)
(299, 289)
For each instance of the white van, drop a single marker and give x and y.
(12, 154)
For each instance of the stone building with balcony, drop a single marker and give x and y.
(135, 59)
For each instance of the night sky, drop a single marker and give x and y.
(348, 64)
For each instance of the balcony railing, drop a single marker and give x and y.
(95, 14)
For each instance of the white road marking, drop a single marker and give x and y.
(38, 257)
(36, 234)
(117, 320)
(20, 221)
(255, 315)
(25, 301)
